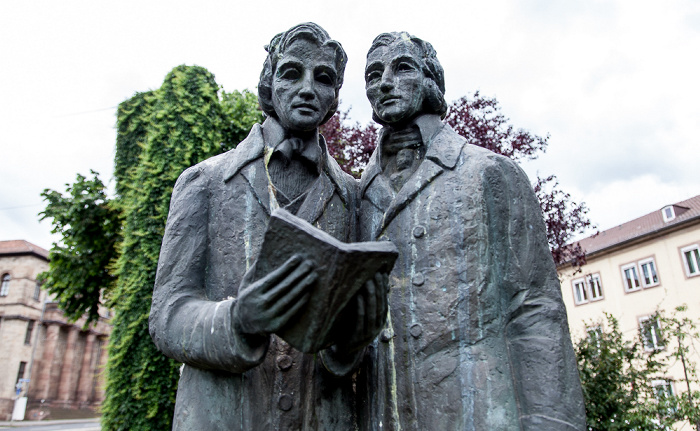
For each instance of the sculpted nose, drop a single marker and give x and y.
(307, 87)
(387, 82)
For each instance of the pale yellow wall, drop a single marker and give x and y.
(674, 289)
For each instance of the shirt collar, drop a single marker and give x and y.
(275, 138)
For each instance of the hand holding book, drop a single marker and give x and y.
(308, 300)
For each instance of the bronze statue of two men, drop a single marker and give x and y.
(467, 332)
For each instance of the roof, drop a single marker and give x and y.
(685, 211)
(20, 246)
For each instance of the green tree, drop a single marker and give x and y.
(89, 225)
(241, 111)
(617, 375)
(183, 127)
(680, 334)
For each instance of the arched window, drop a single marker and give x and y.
(5, 287)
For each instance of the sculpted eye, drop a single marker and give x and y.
(372, 76)
(405, 67)
(290, 74)
(325, 79)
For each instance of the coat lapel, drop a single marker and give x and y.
(374, 187)
(443, 152)
(318, 195)
(248, 160)
(424, 175)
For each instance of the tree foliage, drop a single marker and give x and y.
(240, 110)
(564, 219)
(479, 119)
(350, 145)
(183, 125)
(79, 265)
(617, 374)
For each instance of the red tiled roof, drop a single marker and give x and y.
(20, 246)
(653, 222)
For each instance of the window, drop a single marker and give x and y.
(28, 334)
(37, 291)
(630, 277)
(5, 286)
(587, 289)
(20, 372)
(668, 213)
(648, 269)
(663, 389)
(640, 275)
(580, 295)
(650, 330)
(691, 260)
(595, 288)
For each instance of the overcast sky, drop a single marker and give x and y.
(615, 83)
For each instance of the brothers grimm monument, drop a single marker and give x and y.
(477, 336)
(468, 332)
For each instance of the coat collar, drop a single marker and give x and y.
(444, 148)
(247, 159)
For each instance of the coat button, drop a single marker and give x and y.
(285, 403)
(418, 231)
(284, 362)
(416, 330)
(385, 336)
(418, 279)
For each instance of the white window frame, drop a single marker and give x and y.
(668, 217)
(587, 289)
(632, 266)
(656, 341)
(595, 286)
(695, 257)
(580, 289)
(5, 286)
(655, 272)
(667, 384)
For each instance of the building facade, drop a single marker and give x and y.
(56, 364)
(633, 270)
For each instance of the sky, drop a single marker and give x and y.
(616, 84)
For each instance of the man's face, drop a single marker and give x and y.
(394, 82)
(303, 87)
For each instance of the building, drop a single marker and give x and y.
(61, 361)
(647, 264)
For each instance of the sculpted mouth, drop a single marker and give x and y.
(305, 106)
(388, 99)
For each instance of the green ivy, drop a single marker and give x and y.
(183, 123)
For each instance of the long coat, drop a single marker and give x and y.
(218, 215)
(477, 337)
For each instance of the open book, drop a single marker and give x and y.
(342, 269)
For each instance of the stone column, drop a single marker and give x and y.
(43, 374)
(86, 371)
(65, 387)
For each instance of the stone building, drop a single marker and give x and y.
(57, 364)
(647, 264)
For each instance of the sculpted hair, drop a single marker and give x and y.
(275, 50)
(434, 102)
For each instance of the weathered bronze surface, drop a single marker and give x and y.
(477, 337)
(472, 334)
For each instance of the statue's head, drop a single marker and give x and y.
(301, 77)
(403, 78)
